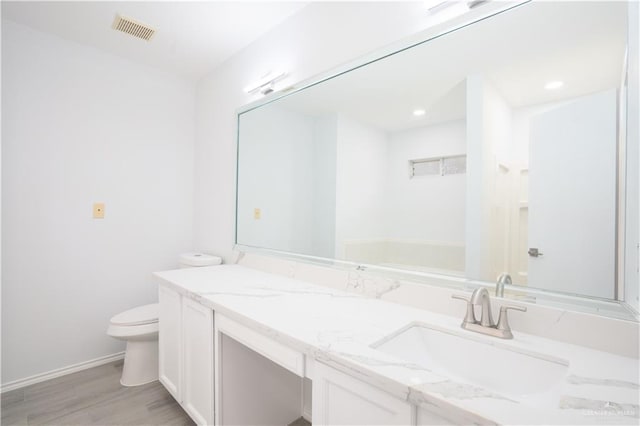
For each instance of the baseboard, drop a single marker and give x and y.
(20, 383)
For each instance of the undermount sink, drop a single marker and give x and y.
(509, 371)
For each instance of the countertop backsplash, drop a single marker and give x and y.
(602, 333)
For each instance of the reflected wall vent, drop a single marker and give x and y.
(132, 27)
(438, 166)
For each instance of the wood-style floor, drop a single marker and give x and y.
(91, 397)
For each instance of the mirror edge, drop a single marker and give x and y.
(624, 311)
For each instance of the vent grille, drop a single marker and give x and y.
(133, 27)
(438, 166)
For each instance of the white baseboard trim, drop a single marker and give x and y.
(20, 383)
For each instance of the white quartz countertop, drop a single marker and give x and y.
(338, 329)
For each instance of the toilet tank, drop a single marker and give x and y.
(193, 260)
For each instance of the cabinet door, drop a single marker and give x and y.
(339, 399)
(169, 340)
(197, 329)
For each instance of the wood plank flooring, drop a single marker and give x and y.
(92, 397)
(300, 422)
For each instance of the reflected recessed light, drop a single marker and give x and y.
(419, 112)
(554, 85)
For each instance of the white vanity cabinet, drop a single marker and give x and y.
(186, 354)
(223, 371)
(429, 418)
(197, 338)
(170, 340)
(339, 399)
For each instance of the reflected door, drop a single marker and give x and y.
(572, 197)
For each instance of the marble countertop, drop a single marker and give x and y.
(338, 329)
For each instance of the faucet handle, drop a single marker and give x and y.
(503, 321)
(469, 317)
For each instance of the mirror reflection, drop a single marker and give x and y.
(491, 150)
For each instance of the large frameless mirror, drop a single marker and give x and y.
(497, 148)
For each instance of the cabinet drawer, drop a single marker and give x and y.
(280, 354)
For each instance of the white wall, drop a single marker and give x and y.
(428, 208)
(320, 37)
(521, 128)
(288, 172)
(324, 186)
(488, 133)
(498, 145)
(361, 175)
(277, 151)
(81, 126)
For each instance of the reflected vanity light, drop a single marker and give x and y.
(552, 85)
(266, 83)
(449, 9)
(436, 6)
(419, 112)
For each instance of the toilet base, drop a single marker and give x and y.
(140, 362)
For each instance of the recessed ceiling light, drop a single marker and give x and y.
(419, 112)
(554, 85)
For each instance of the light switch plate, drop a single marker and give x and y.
(257, 213)
(98, 210)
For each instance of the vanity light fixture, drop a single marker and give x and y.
(266, 84)
(552, 85)
(419, 112)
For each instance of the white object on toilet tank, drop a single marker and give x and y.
(190, 260)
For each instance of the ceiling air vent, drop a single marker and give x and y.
(133, 27)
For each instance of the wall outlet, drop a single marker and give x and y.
(98, 210)
(257, 213)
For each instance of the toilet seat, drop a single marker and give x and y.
(134, 332)
(142, 315)
(139, 323)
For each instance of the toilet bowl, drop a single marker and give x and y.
(139, 328)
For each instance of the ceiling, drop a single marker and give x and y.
(192, 37)
(518, 52)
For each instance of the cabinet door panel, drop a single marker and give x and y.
(339, 399)
(170, 341)
(198, 361)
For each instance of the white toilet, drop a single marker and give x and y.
(139, 328)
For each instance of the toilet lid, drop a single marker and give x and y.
(199, 259)
(146, 314)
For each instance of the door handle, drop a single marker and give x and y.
(534, 252)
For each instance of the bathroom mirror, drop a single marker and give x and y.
(498, 147)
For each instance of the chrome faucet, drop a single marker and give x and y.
(481, 297)
(502, 280)
(486, 325)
